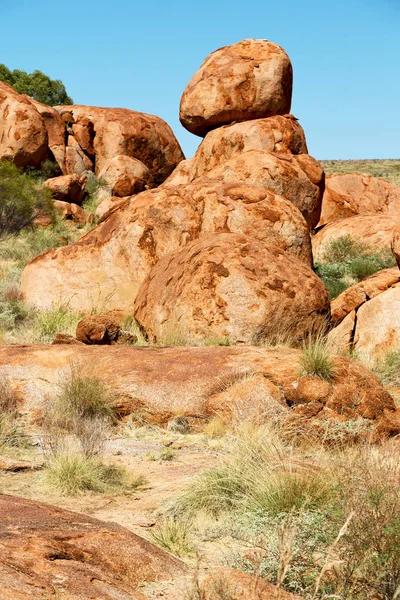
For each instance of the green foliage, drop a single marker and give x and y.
(346, 262)
(37, 85)
(20, 199)
(316, 358)
(54, 320)
(174, 536)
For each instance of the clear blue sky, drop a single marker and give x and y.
(140, 55)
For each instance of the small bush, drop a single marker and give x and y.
(54, 320)
(316, 358)
(11, 432)
(20, 199)
(69, 473)
(346, 261)
(388, 369)
(81, 397)
(215, 428)
(174, 536)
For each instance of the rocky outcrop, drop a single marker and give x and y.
(153, 384)
(366, 316)
(48, 552)
(248, 80)
(108, 265)
(126, 176)
(67, 188)
(55, 131)
(230, 285)
(357, 194)
(23, 133)
(97, 135)
(72, 212)
(238, 585)
(373, 231)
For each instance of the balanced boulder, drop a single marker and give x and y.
(126, 176)
(230, 285)
(67, 188)
(248, 80)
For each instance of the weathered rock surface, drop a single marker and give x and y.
(238, 585)
(126, 176)
(48, 552)
(181, 174)
(107, 266)
(248, 80)
(356, 295)
(23, 133)
(108, 206)
(97, 329)
(56, 134)
(73, 212)
(395, 244)
(67, 188)
(230, 285)
(374, 231)
(299, 178)
(357, 194)
(155, 383)
(108, 132)
(275, 134)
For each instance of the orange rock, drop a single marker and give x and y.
(97, 329)
(357, 194)
(299, 178)
(76, 161)
(48, 551)
(395, 244)
(23, 133)
(163, 381)
(275, 134)
(237, 585)
(119, 131)
(181, 174)
(67, 188)
(108, 265)
(340, 338)
(374, 231)
(230, 285)
(126, 176)
(55, 128)
(75, 213)
(248, 80)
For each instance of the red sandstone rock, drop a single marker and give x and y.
(162, 381)
(230, 285)
(298, 178)
(66, 210)
(119, 131)
(126, 176)
(106, 267)
(48, 552)
(23, 133)
(248, 80)
(97, 329)
(357, 194)
(56, 134)
(275, 134)
(67, 188)
(395, 244)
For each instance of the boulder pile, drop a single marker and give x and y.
(228, 232)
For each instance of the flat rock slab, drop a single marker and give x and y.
(48, 552)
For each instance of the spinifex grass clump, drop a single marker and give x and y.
(174, 536)
(346, 261)
(12, 434)
(316, 358)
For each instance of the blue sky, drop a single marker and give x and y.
(140, 55)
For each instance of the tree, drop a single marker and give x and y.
(37, 85)
(21, 199)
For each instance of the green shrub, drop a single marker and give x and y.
(316, 358)
(54, 320)
(346, 262)
(20, 199)
(388, 369)
(37, 85)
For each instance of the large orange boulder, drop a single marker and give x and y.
(67, 188)
(48, 552)
(106, 267)
(126, 176)
(275, 134)
(238, 585)
(56, 134)
(357, 194)
(104, 133)
(299, 178)
(230, 285)
(248, 80)
(23, 133)
(373, 231)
